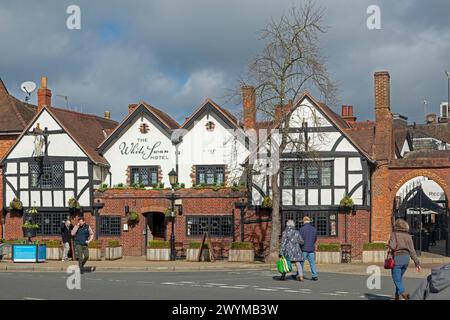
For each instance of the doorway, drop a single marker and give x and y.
(155, 227)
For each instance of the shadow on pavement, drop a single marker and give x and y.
(371, 296)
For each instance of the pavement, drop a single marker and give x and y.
(213, 285)
(140, 264)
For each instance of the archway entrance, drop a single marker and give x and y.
(423, 204)
(155, 227)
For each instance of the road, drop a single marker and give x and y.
(242, 285)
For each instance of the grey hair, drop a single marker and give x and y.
(290, 223)
(401, 225)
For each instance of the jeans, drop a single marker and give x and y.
(66, 250)
(401, 265)
(309, 256)
(82, 253)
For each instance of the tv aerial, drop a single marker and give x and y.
(28, 87)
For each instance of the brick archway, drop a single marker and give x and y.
(152, 209)
(420, 173)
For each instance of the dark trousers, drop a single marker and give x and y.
(82, 254)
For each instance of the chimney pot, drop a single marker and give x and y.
(350, 111)
(44, 95)
(107, 115)
(344, 112)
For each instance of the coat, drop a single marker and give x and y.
(65, 233)
(436, 286)
(291, 242)
(309, 235)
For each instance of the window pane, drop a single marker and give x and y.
(58, 175)
(110, 225)
(46, 177)
(210, 176)
(288, 175)
(34, 172)
(144, 176)
(326, 176)
(300, 177)
(313, 174)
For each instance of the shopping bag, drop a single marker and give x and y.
(284, 265)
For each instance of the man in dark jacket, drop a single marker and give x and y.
(82, 234)
(436, 286)
(66, 238)
(309, 235)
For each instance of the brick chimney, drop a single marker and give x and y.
(347, 114)
(279, 112)
(44, 95)
(249, 106)
(383, 143)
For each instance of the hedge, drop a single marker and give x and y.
(95, 244)
(242, 245)
(329, 247)
(196, 245)
(374, 246)
(158, 244)
(52, 243)
(113, 243)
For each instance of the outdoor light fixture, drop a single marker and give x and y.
(173, 177)
(127, 209)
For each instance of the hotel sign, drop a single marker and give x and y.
(147, 150)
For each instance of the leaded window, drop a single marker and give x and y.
(306, 174)
(50, 223)
(324, 221)
(144, 175)
(217, 226)
(47, 175)
(210, 174)
(110, 225)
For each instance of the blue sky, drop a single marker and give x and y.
(173, 54)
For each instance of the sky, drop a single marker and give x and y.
(175, 53)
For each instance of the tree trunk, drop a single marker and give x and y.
(275, 233)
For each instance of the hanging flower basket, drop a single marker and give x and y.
(347, 205)
(133, 218)
(266, 203)
(16, 205)
(74, 205)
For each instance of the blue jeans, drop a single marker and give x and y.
(309, 256)
(401, 264)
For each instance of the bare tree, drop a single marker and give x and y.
(290, 63)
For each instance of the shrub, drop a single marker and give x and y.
(374, 246)
(95, 244)
(158, 244)
(182, 185)
(196, 245)
(216, 187)
(16, 204)
(113, 243)
(52, 243)
(103, 187)
(161, 185)
(120, 186)
(242, 245)
(329, 247)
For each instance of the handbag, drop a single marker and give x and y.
(389, 262)
(284, 265)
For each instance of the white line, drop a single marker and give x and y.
(342, 292)
(330, 294)
(216, 284)
(265, 289)
(173, 283)
(30, 298)
(231, 287)
(292, 291)
(242, 285)
(279, 288)
(186, 282)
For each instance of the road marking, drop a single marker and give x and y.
(292, 291)
(330, 294)
(231, 287)
(242, 285)
(188, 282)
(216, 284)
(173, 283)
(31, 298)
(342, 292)
(94, 279)
(265, 289)
(279, 288)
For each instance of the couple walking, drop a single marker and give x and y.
(298, 246)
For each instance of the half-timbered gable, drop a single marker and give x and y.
(140, 150)
(213, 148)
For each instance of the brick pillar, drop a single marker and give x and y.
(249, 106)
(383, 151)
(44, 95)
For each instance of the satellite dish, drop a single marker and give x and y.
(28, 87)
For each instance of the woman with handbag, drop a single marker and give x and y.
(401, 249)
(291, 242)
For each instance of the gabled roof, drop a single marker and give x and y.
(161, 118)
(14, 114)
(209, 105)
(84, 129)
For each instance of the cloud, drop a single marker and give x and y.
(175, 53)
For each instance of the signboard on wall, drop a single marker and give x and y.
(145, 149)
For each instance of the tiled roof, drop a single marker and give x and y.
(439, 131)
(164, 117)
(363, 133)
(14, 114)
(227, 114)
